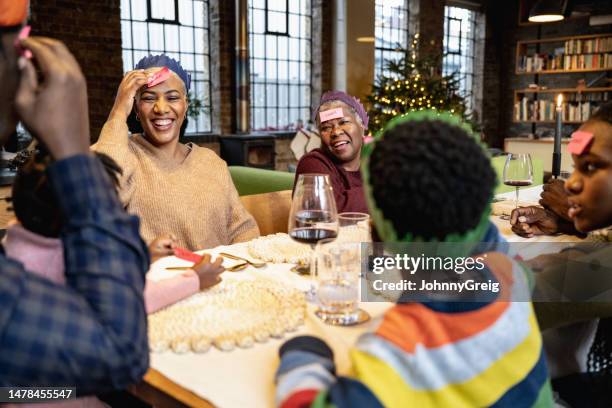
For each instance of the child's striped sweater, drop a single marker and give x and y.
(435, 354)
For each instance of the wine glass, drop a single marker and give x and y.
(313, 217)
(518, 172)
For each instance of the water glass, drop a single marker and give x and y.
(338, 272)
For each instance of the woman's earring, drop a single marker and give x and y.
(137, 118)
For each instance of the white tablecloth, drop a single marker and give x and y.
(245, 377)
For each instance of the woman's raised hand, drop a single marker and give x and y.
(124, 101)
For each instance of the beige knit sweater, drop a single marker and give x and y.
(195, 200)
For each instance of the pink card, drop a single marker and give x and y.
(158, 77)
(580, 142)
(187, 255)
(23, 34)
(330, 114)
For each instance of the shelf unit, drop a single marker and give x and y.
(576, 100)
(522, 48)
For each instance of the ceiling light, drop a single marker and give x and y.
(546, 11)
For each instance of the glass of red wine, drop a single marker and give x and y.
(313, 217)
(518, 172)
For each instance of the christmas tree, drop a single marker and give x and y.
(411, 84)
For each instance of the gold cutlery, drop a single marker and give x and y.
(237, 258)
(235, 268)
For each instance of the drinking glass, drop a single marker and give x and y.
(518, 172)
(338, 273)
(354, 227)
(313, 216)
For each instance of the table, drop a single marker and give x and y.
(212, 378)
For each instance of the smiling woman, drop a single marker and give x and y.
(177, 188)
(342, 122)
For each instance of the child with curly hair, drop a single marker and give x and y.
(460, 351)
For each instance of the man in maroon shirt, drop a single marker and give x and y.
(342, 122)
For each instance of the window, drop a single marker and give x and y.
(280, 62)
(178, 28)
(461, 48)
(391, 31)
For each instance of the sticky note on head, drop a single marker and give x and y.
(580, 142)
(330, 114)
(23, 34)
(158, 77)
(187, 255)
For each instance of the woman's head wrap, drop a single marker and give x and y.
(165, 61)
(384, 227)
(351, 101)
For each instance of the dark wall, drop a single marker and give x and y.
(92, 31)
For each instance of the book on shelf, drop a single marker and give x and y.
(590, 46)
(576, 108)
(577, 54)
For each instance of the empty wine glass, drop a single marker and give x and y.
(313, 216)
(518, 172)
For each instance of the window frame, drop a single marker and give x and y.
(303, 89)
(176, 20)
(267, 28)
(379, 68)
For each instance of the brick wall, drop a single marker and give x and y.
(92, 31)
(322, 46)
(431, 27)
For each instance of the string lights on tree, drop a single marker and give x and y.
(414, 83)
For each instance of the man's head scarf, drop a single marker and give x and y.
(13, 12)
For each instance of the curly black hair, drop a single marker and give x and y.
(33, 198)
(603, 113)
(430, 179)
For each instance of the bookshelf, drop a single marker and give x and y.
(538, 105)
(575, 54)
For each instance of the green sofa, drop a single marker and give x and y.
(498, 164)
(251, 180)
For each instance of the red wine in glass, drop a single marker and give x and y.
(518, 172)
(312, 235)
(518, 183)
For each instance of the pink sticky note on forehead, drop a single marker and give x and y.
(331, 114)
(158, 77)
(580, 142)
(23, 34)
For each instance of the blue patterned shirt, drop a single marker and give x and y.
(91, 333)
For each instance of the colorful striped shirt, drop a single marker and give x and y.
(432, 354)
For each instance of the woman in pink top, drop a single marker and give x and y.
(33, 239)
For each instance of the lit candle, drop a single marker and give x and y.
(556, 170)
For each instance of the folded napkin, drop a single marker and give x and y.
(505, 207)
